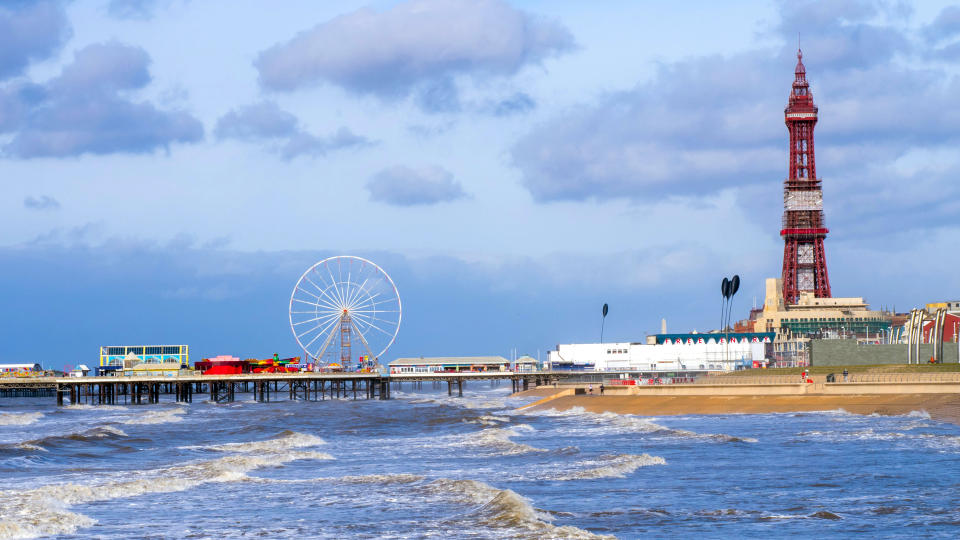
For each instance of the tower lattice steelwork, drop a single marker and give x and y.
(804, 259)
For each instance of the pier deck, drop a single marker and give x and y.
(264, 386)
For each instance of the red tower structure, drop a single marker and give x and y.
(804, 259)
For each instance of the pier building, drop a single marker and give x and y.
(450, 364)
(116, 358)
(19, 370)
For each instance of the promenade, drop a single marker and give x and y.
(937, 394)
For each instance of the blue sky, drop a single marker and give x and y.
(170, 167)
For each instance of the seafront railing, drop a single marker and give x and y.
(838, 377)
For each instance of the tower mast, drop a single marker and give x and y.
(804, 259)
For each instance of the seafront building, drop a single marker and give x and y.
(818, 317)
(666, 353)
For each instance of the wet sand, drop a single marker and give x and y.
(944, 407)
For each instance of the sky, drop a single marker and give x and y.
(169, 168)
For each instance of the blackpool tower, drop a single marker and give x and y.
(804, 260)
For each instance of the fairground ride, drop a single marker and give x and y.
(341, 306)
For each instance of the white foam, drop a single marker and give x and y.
(19, 419)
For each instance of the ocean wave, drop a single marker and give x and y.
(86, 407)
(498, 440)
(821, 514)
(500, 509)
(488, 420)
(19, 419)
(381, 479)
(368, 479)
(934, 441)
(91, 434)
(285, 441)
(43, 511)
(628, 423)
(497, 399)
(157, 417)
(30, 447)
(97, 433)
(612, 466)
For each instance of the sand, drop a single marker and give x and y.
(944, 407)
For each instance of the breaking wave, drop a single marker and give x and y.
(934, 441)
(501, 509)
(86, 407)
(498, 440)
(488, 420)
(43, 511)
(157, 417)
(626, 423)
(613, 466)
(287, 440)
(382, 479)
(19, 419)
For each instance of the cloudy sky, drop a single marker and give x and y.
(170, 167)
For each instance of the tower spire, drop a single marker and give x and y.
(804, 259)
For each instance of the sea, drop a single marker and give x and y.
(425, 465)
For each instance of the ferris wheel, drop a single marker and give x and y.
(345, 307)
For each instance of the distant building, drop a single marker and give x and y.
(450, 364)
(951, 329)
(526, 364)
(117, 358)
(820, 317)
(952, 306)
(80, 371)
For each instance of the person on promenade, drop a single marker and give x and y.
(845, 373)
(590, 389)
(601, 389)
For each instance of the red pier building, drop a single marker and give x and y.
(803, 232)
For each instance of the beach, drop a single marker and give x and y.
(940, 406)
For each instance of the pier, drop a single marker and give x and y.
(145, 390)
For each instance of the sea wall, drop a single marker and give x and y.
(846, 352)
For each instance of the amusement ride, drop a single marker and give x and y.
(342, 304)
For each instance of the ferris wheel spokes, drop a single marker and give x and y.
(347, 294)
